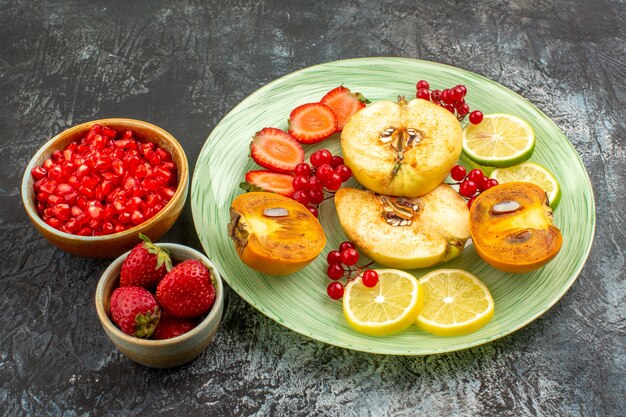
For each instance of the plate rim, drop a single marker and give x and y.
(576, 273)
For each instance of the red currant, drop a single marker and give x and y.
(313, 210)
(492, 182)
(449, 107)
(456, 94)
(315, 184)
(468, 188)
(370, 278)
(482, 183)
(346, 245)
(334, 182)
(458, 172)
(423, 93)
(324, 172)
(335, 271)
(302, 170)
(335, 290)
(463, 89)
(333, 257)
(349, 256)
(321, 157)
(463, 109)
(446, 97)
(422, 84)
(476, 117)
(470, 202)
(301, 197)
(476, 175)
(435, 95)
(300, 183)
(316, 196)
(335, 161)
(344, 172)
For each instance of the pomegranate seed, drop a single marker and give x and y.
(86, 191)
(137, 217)
(81, 202)
(48, 164)
(95, 224)
(119, 228)
(76, 211)
(162, 154)
(73, 181)
(49, 186)
(54, 199)
(107, 228)
(63, 189)
(72, 226)
(128, 134)
(85, 231)
(56, 223)
(41, 196)
(167, 193)
(150, 184)
(118, 167)
(95, 212)
(70, 198)
(38, 173)
(107, 131)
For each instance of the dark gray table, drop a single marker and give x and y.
(182, 66)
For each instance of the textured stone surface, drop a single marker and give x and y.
(182, 66)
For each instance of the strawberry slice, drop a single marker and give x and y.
(344, 103)
(276, 150)
(274, 182)
(312, 122)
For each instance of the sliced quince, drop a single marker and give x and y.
(401, 149)
(273, 234)
(511, 227)
(405, 233)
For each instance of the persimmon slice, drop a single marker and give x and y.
(273, 234)
(511, 227)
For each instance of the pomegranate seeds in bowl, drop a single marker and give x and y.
(105, 183)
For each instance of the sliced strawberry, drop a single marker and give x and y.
(276, 150)
(269, 181)
(312, 122)
(344, 103)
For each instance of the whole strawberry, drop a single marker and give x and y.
(145, 265)
(187, 290)
(134, 310)
(169, 327)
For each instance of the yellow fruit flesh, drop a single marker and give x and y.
(455, 303)
(423, 166)
(437, 234)
(388, 307)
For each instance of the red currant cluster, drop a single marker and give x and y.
(326, 172)
(347, 256)
(451, 99)
(471, 184)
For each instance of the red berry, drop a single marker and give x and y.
(302, 170)
(344, 172)
(463, 89)
(470, 202)
(186, 291)
(346, 245)
(134, 310)
(456, 94)
(315, 196)
(423, 93)
(333, 183)
(468, 188)
(333, 257)
(349, 256)
(300, 183)
(482, 183)
(422, 84)
(323, 156)
(315, 183)
(449, 107)
(145, 265)
(476, 175)
(463, 109)
(335, 161)
(324, 172)
(335, 271)
(435, 95)
(492, 182)
(446, 97)
(458, 172)
(370, 278)
(335, 290)
(313, 211)
(476, 117)
(301, 197)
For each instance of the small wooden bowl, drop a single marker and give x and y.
(112, 245)
(161, 353)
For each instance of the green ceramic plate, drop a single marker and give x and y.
(299, 302)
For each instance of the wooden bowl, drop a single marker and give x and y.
(161, 353)
(112, 245)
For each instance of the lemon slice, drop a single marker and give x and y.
(388, 307)
(500, 140)
(529, 172)
(455, 303)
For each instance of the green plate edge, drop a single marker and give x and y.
(399, 344)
